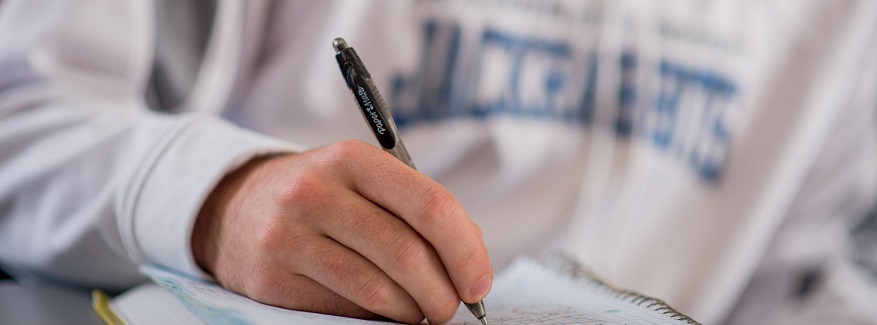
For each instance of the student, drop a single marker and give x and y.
(713, 154)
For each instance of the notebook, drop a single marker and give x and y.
(550, 290)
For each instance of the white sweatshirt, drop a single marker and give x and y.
(709, 153)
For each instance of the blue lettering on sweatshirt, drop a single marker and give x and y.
(685, 116)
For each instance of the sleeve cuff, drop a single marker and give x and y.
(202, 151)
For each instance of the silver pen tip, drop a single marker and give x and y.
(484, 321)
(339, 44)
(478, 311)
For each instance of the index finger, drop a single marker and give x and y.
(428, 207)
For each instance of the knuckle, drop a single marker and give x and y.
(306, 189)
(438, 204)
(305, 193)
(470, 259)
(348, 149)
(409, 254)
(375, 294)
(344, 157)
(444, 313)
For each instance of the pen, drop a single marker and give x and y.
(376, 114)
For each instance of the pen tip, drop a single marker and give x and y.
(484, 321)
(478, 311)
(339, 44)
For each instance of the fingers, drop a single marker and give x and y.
(346, 278)
(398, 251)
(430, 209)
(288, 291)
(345, 226)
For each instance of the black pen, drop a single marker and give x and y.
(376, 114)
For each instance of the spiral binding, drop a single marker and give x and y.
(569, 266)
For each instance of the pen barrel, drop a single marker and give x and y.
(398, 150)
(371, 103)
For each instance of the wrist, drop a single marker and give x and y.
(207, 233)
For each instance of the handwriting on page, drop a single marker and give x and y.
(556, 315)
(528, 293)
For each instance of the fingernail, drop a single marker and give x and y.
(479, 291)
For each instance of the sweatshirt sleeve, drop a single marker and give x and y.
(92, 183)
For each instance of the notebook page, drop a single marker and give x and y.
(526, 293)
(530, 293)
(151, 304)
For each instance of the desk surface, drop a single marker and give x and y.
(44, 305)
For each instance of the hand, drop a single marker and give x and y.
(346, 230)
